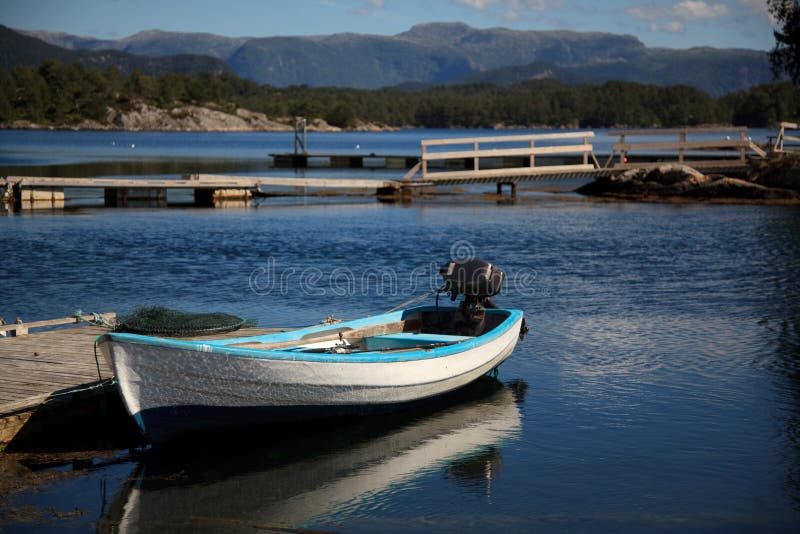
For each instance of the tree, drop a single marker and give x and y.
(341, 115)
(785, 57)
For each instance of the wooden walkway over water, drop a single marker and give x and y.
(55, 368)
(504, 160)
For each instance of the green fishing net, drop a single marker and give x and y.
(160, 321)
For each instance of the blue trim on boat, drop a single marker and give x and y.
(222, 346)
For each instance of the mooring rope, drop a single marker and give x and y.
(100, 320)
(412, 301)
(97, 385)
(97, 361)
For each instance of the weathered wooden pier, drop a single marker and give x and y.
(503, 160)
(26, 192)
(50, 379)
(47, 370)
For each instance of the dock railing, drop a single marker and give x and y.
(525, 147)
(735, 141)
(793, 138)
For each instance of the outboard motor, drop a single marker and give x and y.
(478, 281)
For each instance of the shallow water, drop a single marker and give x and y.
(656, 390)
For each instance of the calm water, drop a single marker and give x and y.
(658, 388)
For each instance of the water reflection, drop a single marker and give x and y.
(781, 328)
(302, 477)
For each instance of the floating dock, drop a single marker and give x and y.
(290, 160)
(31, 192)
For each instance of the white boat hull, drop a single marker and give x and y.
(171, 390)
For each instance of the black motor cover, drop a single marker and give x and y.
(472, 278)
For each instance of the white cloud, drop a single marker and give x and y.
(757, 6)
(673, 26)
(510, 11)
(644, 14)
(510, 8)
(690, 9)
(368, 8)
(480, 5)
(673, 18)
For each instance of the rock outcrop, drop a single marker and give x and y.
(192, 118)
(680, 181)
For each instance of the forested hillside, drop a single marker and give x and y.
(63, 94)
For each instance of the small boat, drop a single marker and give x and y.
(175, 388)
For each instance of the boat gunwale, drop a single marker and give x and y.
(224, 348)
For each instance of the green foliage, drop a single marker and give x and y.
(785, 56)
(64, 94)
(341, 115)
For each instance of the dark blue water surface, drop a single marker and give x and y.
(46, 147)
(657, 390)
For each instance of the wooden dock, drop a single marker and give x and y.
(30, 192)
(504, 160)
(738, 144)
(507, 160)
(48, 377)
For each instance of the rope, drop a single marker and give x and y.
(100, 320)
(412, 301)
(107, 382)
(97, 361)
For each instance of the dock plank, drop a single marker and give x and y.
(34, 366)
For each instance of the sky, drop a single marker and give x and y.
(662, 23)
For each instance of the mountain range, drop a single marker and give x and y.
(438, 53)
(19, 49)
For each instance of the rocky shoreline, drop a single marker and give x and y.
(192, 118)
(681, 183)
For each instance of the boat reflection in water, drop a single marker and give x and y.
(308, 475)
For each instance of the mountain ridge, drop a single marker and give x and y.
(17, 49)
(434, 53)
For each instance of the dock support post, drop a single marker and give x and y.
(21, 329)
(300, 136)
(120, 197)
(204, 198)
(300, 161)
(394, 193)
(114, 198)
(513, 188)
(532, 157)
(16, 196)
(742, 150)
(423, 160)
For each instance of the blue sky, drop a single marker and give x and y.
(666, 23)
